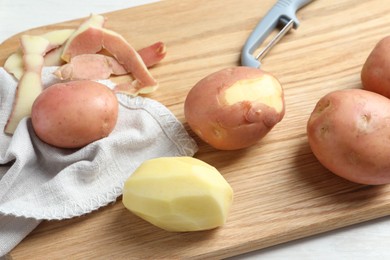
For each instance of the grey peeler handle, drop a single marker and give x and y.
(283, 9)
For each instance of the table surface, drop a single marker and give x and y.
(369, 240)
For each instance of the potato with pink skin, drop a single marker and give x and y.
(349, 133)
(234, 107)
(375, 73)
(74, 114)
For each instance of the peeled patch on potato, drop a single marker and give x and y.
(74, 114)
(375, 73)
(235, 107)
(178, 194)
(349, 133)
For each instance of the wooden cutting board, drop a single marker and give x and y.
(282, 193)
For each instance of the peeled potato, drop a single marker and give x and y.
(178, 194)
(235, 107)
(74, 114)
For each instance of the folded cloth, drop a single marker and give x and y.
(40, 182)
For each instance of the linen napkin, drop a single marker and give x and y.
(40, 182)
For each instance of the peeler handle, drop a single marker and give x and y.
(283, 9)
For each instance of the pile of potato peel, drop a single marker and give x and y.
(83, 55)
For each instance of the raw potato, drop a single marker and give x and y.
(234, 108)
(74, 114)
(178, 194)
(375, 74)
(349, 133)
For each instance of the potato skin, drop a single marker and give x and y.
(375, 73)
(231, 126)
(74, 114)
(349, 133)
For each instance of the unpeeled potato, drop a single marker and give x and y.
(235, 107)
(74, 114)
(349, 133)
(375, 73)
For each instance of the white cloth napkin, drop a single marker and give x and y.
(39, 182)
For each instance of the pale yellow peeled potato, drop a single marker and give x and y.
(178, 194)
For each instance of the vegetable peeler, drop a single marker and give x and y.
(281, 14)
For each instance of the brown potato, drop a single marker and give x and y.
(74, 114)
(375, 73)
(234, 107)
(349, 133)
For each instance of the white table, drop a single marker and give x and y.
(370, 240)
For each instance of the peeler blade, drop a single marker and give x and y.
(282, 13)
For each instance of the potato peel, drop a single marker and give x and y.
(30, 84)
(78, 49)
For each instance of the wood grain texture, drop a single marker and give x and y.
(281, 191)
